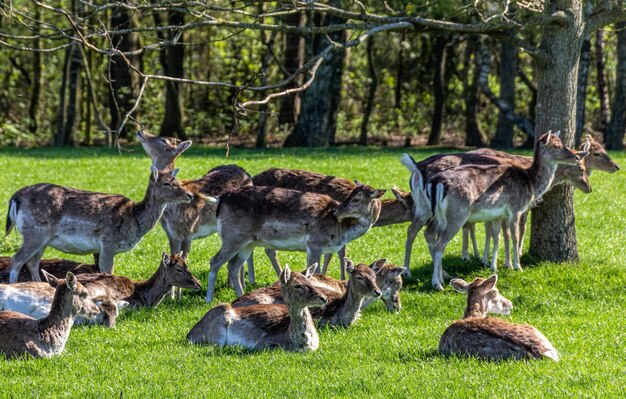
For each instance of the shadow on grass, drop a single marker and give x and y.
(420, 280)
(419, 355)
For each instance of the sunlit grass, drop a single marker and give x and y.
(579, 307)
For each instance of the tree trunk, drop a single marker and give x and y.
(371, 94)
(581, 91)
(268, 42)
(603, 94)
(439, 89)
(124, 83)
(58, 136)
(397, 90)
(73, 95)
(289, 105)
(320, 102)
(36, 88)
(553, 234)
(615, 131)
(474, 135)
(504, 131)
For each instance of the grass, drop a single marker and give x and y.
(579, 307)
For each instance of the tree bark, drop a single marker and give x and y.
(603, 94)
(36, 81)
(289, 105)
(615, 130)
(504, 130)
(553, 229)
(371, 94)
(581, 92)
(474, 136)
(73, 95)
(320, 102)
(60, 125)
(439, 88)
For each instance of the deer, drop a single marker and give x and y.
(289, 326)
(82, 222)
(34, 299)
(392, 211)
(388, 279)
(479, 193)
(46, 337)
(488, 337)
(56, 267)
(162, 150)
(284, 219)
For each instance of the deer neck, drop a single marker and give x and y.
(150, 292)
(58, 323)
(392, 211)
(542, 173)
(349, 310)
(148, 211)
(301, 329)
(475, 309)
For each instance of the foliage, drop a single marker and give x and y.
(385, 355)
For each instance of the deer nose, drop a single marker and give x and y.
(189, 196)
(324, 300)
(377, 293)
(616, 167)
(140, 135)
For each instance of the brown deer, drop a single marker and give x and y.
(21, 335)
(289, 326)
(477, 193)
(388, 279)
(488, 337)
(162, 150)
(83, 222)
(56, 267)
(283, 219)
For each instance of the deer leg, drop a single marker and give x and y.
(105, 263)
(33, 264)
(513, 224)
(222, 256)
(342, 263)
(522, 230)
(327, 259)
(473, 238)
(273, 255)
(313, 256)
(251, 275)
(411, 232)
(506, 232)
(487, 243)
(96, 259)
(235, 268)
(495, 232)
(464, 252)
(27, 251)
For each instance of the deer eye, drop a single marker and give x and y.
(167, 184)
(354, 200)
(596, 154)
(179, 270)
(298, 287)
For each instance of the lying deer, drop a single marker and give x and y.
(338, 188)
(284, 219)
(475, 193)
(56, 267)
(34, 299)
(82, 222)
(289, 326)
(20, 334)
(162, 150)
(387, 279)
(487, 337)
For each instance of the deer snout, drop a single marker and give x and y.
(196, 285)
(615, 167)
(376, 293)
(140, 136)
(188, 195)
(323, 300)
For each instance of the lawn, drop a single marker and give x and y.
(579, 307)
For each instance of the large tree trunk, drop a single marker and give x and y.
(289, 105)
(474, 135)
(504, 131)
(373, 78)
(603, 94)
(439, 89)
(124, 83)
(73, 95)
(581, 93)
(615, 131)
(553, 235)
(320, 102)
(36, 88)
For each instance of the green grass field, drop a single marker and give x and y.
(579, 307)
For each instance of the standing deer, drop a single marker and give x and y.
(162, 150)
(284, 219)
(83, 222)
(488, 337)
(475, 193)
(288, 326)
(20, 334)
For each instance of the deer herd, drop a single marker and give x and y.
(280, 210)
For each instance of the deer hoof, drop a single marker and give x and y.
(465, 257)
(438, 286)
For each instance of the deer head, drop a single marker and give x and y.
(549, 145)
(297, 289)
(362, 280)
(598, 158)
(359, 203)
(166, 188)
(162, 150)
(389, 280)
(482, 297)
(177, 273)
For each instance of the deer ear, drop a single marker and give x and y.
(155, 173)
(182, 147)
(285, 275)
(121, 305)
(358, 183)
(49, 278)
(545, 138)
(377, 265)
(310, 271)
(459, 284)
(395, 272)
(70, 281)
(490, 283)
(175, 172)
(165, 258)
(349, 265)
(378, 193)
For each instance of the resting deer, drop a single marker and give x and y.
(475, 193)
(387, 279)
(83, 222)
(283, 219)
(338, 188)
(56, 267)
(34, 299)
(487, 337)
(162, 150)
(20, 334)
(289, 326)
(172, 272)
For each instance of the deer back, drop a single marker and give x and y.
(336, 187)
